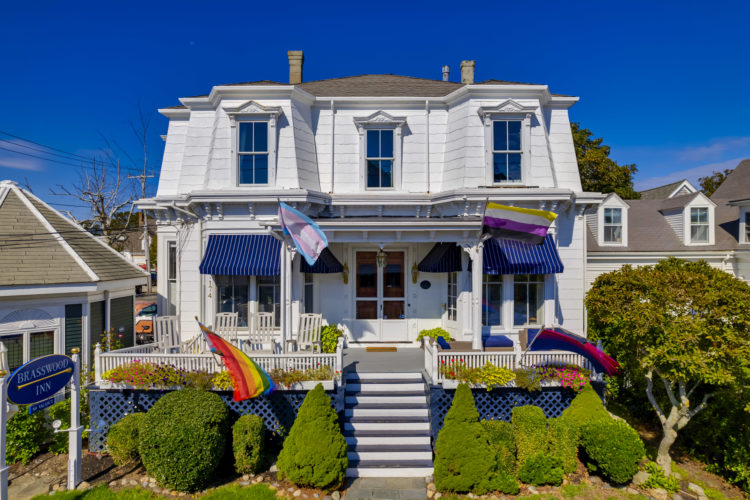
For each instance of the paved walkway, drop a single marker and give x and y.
(405, 359)
(393, 488)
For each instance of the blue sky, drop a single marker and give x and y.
(661, 82)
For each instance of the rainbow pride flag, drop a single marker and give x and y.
(248, 379)
(515, 223)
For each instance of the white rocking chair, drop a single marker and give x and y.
(166, 334)
(225, 326)
(308, 333)
(262, 333)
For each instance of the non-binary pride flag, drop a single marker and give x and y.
(307, 236)
(248, 379)
(514, 223)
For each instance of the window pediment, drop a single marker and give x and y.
(252, 108)
(379, 119)
(507, 107)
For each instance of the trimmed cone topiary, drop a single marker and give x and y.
(315, 452)
(183, 438)
(248, 438)
(586, 407)
(464, 459)
(123, 437)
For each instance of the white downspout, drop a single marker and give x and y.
(333, 142)
(427, 141)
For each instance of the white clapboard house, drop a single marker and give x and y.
(675, 220)
(396, 171)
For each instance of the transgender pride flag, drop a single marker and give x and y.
(515, 223)
(307, 236)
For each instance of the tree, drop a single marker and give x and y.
(711, 183)
(598, 171)
(106, 192)
(686, 323)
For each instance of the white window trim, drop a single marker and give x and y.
(688, 227)
(384, 121)
(507, 318)
(508, 110)
(612, 201)
(247, 112)
(744, 238)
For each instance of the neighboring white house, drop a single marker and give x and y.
(397, 171)
(60, 287)
(674, 221)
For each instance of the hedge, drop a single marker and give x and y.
(123, 438)
(612, 448)
(530, 432)
(183, 438)
(562, 440)
(540, 469)
(585, 408)
(500, 437)
(248, 436)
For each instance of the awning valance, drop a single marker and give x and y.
(443, 258)
(326, 263)
(242, 255)
(516, 257)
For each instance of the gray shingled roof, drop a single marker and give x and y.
(661, 192)
(376, 86)
(30, 254)
(737, 184)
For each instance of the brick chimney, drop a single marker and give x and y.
(467, 72)
(296, 60)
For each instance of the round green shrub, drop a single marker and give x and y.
(183, 438)
(329, 337)
(25, 435)
(122, 439)
(530, 431)
(540, 469)
(500, 437)
(586, 407)
(315, 452)
(613, 448)
(462, 409)
(248, 436)
(562, 439)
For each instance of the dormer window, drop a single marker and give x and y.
(379, 159)
(506, 151)
(252, 152)
(612, 225)
(699, 227)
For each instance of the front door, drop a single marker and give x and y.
(380, 298)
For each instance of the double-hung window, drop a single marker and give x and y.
(452, 296)
(528, 299)
(613, 225)
(492, 300)
(379, 159)
(269, 296)
(506, 151)
(699, 225)
(252, 152)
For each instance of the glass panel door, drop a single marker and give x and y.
(367, 286)
(393, 286)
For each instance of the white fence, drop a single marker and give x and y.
(105, 361)
(434, 358)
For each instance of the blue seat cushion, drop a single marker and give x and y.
(498, 341)
(442, 343)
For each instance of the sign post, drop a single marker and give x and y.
(3, 425)
(75, 433)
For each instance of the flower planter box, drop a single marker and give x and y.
(453, 384)
(306, 385)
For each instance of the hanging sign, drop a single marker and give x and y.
(39, 379)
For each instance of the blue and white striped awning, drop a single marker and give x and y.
(327, 263)
(443, 258)
(242, 255)
(516, 257)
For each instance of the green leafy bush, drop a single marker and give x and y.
(183, 438)
(61, 411)
(613, 448)
(434, 333)
(562, 439)
(500, 437)
(529, 430)
(657, 478)
(585, 408)
(526, 378)
(248, 436)
(329, 336)
(464, 458)
(25, 435)
(490, 375)
(122, 439)
(540, 469)
(315, 452)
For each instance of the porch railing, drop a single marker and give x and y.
(434, 359)
(105, 361)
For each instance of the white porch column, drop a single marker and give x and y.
(476, 253)
(287, 256)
